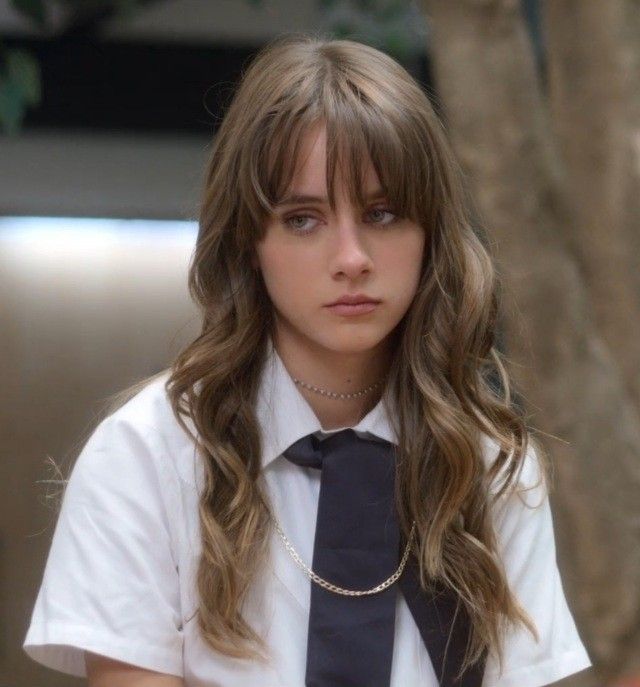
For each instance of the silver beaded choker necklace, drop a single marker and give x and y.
(333, 394)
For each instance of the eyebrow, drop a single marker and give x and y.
(296, 198)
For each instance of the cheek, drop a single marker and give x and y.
(286, 274)
(403, 261)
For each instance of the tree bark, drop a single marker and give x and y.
(592, 69)
(574, 387)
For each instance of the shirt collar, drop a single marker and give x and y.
(285, 416)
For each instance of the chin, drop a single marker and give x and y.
(353, 341)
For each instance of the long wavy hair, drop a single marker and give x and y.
(447, 378)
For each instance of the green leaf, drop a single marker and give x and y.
(23, 70)
(34, 10)
(12, 106)
(365, 5)
(396, 44)
(343, 29)
(393, 10)
(20, 88)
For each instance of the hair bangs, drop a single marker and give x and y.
(277, 142)
(358, 134)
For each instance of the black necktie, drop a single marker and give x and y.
(357, 546)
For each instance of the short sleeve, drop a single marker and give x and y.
(110, 584)
(524, 528)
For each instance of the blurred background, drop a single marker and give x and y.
(107, 109)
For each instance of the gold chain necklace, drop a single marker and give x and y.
(339, 590)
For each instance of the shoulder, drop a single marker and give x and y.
(529, 475)
(148, 411)
(112, 580)
(526, 546)
(522, 518)
(522, 510)
(141, 441)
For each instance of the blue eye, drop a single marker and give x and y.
(297, 229)
(386, 211)
(291, 221)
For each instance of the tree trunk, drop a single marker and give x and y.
(573, 386)
(592, 85)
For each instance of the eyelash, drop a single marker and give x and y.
(297, 230)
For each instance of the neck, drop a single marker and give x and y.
(337, 372)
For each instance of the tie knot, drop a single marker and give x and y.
(310, 450)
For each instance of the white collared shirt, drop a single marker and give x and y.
(119, 578)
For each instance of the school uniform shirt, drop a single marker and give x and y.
(120, 575)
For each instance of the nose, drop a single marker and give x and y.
(350, 256)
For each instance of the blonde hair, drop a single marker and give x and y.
(447, 379)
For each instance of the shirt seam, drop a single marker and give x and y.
(56, 638)
(577, 652)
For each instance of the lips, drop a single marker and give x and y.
(357, 299)
(355, 309)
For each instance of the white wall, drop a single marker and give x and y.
(101, 175)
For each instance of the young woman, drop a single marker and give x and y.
(331, 484)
